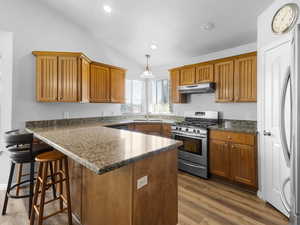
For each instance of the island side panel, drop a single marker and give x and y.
(107, 198)
(157, 202)
(75, 171)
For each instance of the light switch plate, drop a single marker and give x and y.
(143, 181)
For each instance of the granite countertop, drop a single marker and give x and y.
(237, 126)
(100, 148)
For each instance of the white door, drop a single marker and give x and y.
(276, 60)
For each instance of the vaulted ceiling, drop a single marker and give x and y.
(176, 26)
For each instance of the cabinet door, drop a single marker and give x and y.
(46, 78)
(175, 82)
(224, 80)
(187, 76)
(204, 73)
(117, 85)
(245, 79)
(100, 84)
(219, 153)
(85, 80)
(243, 164)
(68, 78)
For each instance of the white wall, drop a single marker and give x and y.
(36, 27)
(6, 50)
(206, 102)
(197, 102)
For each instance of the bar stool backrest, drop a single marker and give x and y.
(17, 139)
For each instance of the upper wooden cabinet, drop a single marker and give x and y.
(70, 77)
(85, 70)
(117, 85)
(235, 77)
(204, 73)
(100, 84)
(187, 76)
(46, 79)
(61, 76)
(245, 79)
(107, 83)
(176, 97)
(224, 76)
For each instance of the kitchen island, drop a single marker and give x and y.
(117, 177)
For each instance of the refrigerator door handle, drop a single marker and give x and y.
(282, 131)
(285, 202)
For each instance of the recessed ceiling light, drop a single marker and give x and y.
(107, 8)
(153, 46)
(208, 26)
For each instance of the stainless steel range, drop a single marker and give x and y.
(193, 132)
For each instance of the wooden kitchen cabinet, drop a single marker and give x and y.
(100, 84)
(85, 68)
(235, 77)
(224, 77)
(233, 156)
(166, 130)
(204, 73)
(68, 78)
(72, 77)
(46, 79)
(61, 76)
(149, 128)
(243, 160)
(245, 76)
(117, 85)
(219, 155)
(187, 75)
(176, 97)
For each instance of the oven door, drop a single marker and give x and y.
(194, 149)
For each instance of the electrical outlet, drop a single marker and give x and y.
(143, 181)
(66, 115)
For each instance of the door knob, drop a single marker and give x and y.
(267, 133)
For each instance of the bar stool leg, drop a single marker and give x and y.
(60, 184)
(36, 193)
(43, 191)
(52, 179)
(68, 191)
(11, 174)
(31, 187)
(20, 170)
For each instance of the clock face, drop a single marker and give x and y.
(285, 18)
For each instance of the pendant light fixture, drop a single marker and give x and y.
(147, 74)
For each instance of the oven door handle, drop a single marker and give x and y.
(188, 164)
(188, 136)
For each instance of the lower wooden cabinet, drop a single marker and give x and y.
(153, 129)
(243, 168)
(219, 158)
(233, 156)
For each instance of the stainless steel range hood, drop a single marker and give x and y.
(197, 88)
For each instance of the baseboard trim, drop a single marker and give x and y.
(3, 187)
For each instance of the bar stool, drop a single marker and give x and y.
(21, 150)
(61, 175)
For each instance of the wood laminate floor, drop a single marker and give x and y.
(201, 202)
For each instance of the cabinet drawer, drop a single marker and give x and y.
(240, 138)
(148, 127)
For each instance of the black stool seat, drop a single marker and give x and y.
(21, 149)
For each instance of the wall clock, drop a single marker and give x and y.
(285, 18)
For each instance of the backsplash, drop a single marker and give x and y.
(206, 102)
